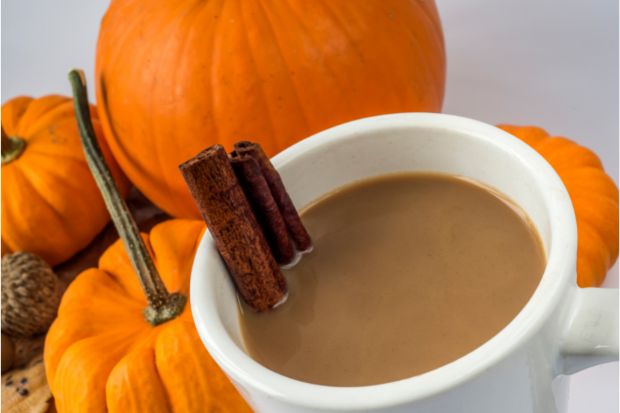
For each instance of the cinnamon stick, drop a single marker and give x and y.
(238, 236)
(264, 206)
(285, 204)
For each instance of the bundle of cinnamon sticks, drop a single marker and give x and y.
(251, 217)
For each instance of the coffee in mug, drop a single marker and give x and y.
(409, 272)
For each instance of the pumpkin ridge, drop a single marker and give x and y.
(68, 396)
(124, 276)
(583, 185)
(603, 221)
(579, 174)
(144, 178)
(429, 10)
(144, 381)
(124, 31)
(123, 8)
(27, 187)
(61, 112)
(160, 238)
(37, 110)
(151, 250)
(361, 56)
(548, 147)
(301, 22)
(430, 72)
(58, 130)
(104, 110)
(151, 109)
(30, 178)
(258, 77)
(115, 148)
(596, 257)
(62, 335)
(286, 64)
(212, 80)
(35, 151)
(147, 338)
(12, 112)
(98, 283)
(599, 197)
(175, 340)
(132, 312)
(7, 236)
(567, 158)
(172, 145)
(531, 135)
(160, 375)
(342, 28)
(77, 321)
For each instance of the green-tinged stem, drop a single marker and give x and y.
(12, 147)
(163, 305)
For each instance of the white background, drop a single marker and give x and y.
(552, 63)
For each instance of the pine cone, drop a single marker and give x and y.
(30, 295)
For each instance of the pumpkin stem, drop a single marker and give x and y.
(12, 147)
(163, 306)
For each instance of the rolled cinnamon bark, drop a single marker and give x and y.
(264, 206)
(285, 204)
(237, 234)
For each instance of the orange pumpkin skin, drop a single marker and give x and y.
(102, 356)
(594, 196)
(174, 76)
(50, 203)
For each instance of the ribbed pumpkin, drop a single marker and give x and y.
(121, 341)
(174, 76)
(50, 203)
(101, 355)
(594, 196)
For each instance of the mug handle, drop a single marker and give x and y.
(591, 337)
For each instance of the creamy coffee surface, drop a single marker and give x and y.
(409, 272)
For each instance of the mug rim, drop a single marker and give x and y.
(561, 257)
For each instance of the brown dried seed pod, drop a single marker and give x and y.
(26, 349)
(8, 353)
(30, 295)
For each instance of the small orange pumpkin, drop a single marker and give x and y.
(102, 355)
(594, 196)
(175, 76)
(50, 203)
(111, 349)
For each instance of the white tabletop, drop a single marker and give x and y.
(549, 63)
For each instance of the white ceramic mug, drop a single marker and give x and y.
(562, 329)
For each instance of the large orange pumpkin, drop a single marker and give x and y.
(121, 341)
(594, 196)
(174, 76)
(50, 203)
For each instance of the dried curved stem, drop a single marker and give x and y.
(163, 305)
